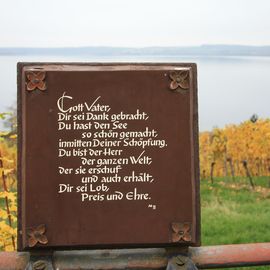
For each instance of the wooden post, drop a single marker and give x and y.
(212, 172)
(245, 164)
(231, 168)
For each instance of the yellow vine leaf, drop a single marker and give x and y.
(13, 208)
(8, 171)
(3, 214)
(3, 194)
(7, 160)
(14, 136)
(9, 247)
(7, 229)
(12, 196)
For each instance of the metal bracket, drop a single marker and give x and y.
(181, 262)
(40, 261)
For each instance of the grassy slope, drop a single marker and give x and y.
(234, 213)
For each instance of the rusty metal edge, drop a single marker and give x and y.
(150, 258)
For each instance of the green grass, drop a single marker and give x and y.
(234, 213)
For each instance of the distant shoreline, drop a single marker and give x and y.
(194, 51)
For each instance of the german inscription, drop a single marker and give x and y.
(103, 134)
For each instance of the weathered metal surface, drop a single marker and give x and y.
(203, 257)
(111, 259)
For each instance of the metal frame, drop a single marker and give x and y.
(157, 258)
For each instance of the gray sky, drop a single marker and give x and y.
(133, 23)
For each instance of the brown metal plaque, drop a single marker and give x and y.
(108, 155)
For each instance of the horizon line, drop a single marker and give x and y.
(137, 47)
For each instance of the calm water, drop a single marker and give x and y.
(231, 89)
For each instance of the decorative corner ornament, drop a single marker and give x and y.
(37, 235)
(180, 80)
(181, 232)
(35, 80)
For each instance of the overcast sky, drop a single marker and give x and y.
(133, 23)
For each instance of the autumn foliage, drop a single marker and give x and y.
(236, 150)
(8, 195)
(8, 184)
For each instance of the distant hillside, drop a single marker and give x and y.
(204, 50)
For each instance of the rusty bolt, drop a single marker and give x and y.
(180, 261)
(40, 265)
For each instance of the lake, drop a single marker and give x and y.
(230, 89)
